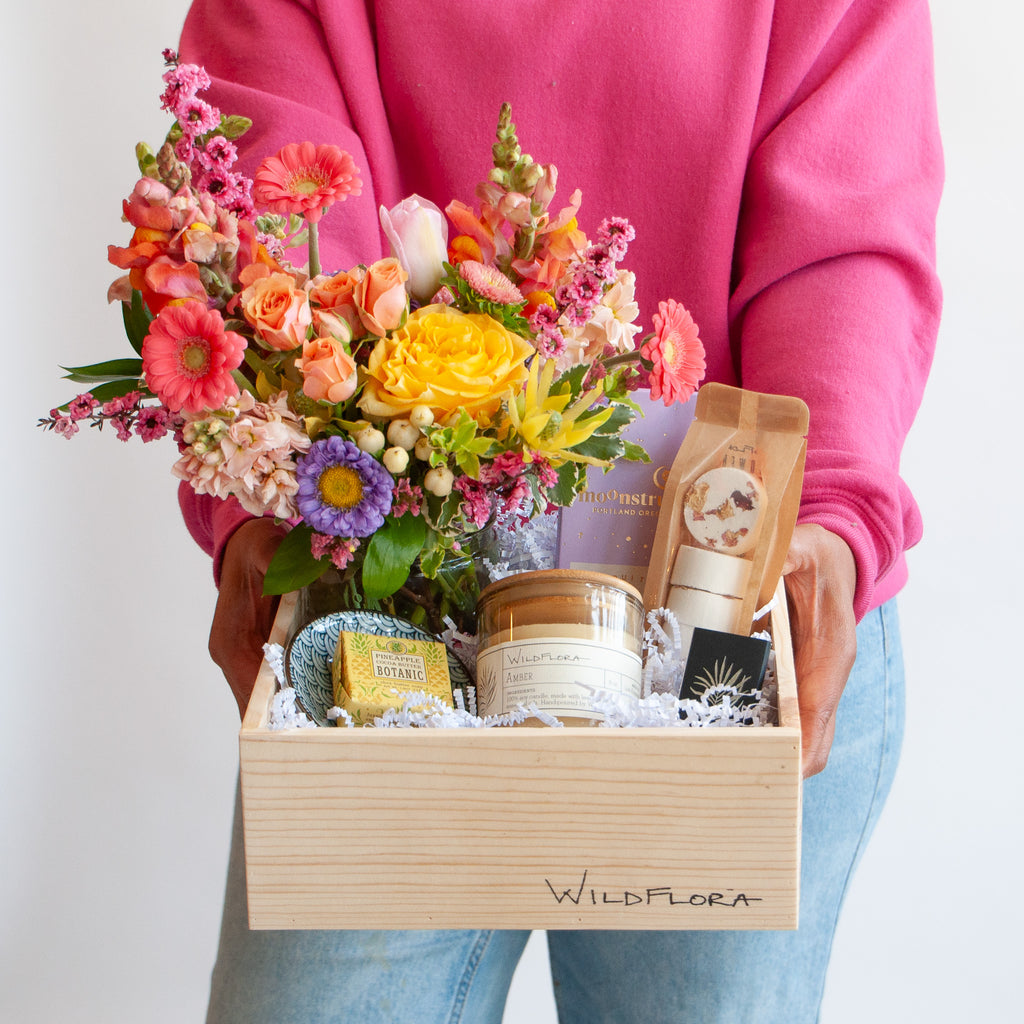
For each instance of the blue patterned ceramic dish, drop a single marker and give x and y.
(309, 655)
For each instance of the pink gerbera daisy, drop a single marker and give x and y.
(676, 354)
(188, 356)
(306, 179)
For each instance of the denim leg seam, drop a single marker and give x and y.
(871, 803)
(472, 964)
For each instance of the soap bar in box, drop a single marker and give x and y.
(372, 673)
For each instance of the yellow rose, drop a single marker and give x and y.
(444, 359)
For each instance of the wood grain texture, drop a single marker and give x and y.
(522, 828)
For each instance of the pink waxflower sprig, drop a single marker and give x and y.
(126, 414)
(201, 141)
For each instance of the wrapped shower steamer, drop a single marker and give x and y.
(730, 504)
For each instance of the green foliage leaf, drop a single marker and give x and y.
(572, 478)
(234, 125)
(100, 373)
(390, 554)
(572, 380)
(444, 510)
(634, 452)
(600, 446)
(117, 388)
(621, 417)
(293, 565)
(468, 463)
(136, 321)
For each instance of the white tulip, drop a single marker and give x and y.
(418, 233)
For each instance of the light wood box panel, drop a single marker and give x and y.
(522, 828)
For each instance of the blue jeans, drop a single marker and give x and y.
(710, 977)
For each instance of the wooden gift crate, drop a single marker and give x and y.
(522, 828)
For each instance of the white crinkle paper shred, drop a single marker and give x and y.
(284, 712)
(717, 707)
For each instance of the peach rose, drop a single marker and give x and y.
(381, 296)
(444, 359)
(278, 310)
(328, 371)
(337, 294)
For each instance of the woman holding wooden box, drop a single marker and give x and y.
(781, 164)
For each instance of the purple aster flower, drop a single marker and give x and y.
(342, 491)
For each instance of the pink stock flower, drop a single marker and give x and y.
(340, 550)
(305, 179)
(122, 427)
(676, 353)
(188, 356)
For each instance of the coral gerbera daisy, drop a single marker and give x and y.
(188, 356)
(676, 354)
(343, 491)
(305, 179)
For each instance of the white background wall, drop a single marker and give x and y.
(118, 748)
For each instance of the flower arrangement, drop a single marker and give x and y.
(388, 411)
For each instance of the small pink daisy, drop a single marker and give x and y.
(188, 356)
(676, 354)
(489, 283)
(305, 179)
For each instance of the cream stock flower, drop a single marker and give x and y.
(247, 451)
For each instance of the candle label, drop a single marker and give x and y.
(559, 675)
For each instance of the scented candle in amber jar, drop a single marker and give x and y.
(554, 638)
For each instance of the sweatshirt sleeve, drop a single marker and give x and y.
(268, 61)
(836, 297)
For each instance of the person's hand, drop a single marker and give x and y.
(243, 616)
(821, 576)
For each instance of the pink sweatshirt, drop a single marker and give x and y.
(779, 160)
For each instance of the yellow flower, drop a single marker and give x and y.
(445, 360)
(548, 424)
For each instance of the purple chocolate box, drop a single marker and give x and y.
(610, 528)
